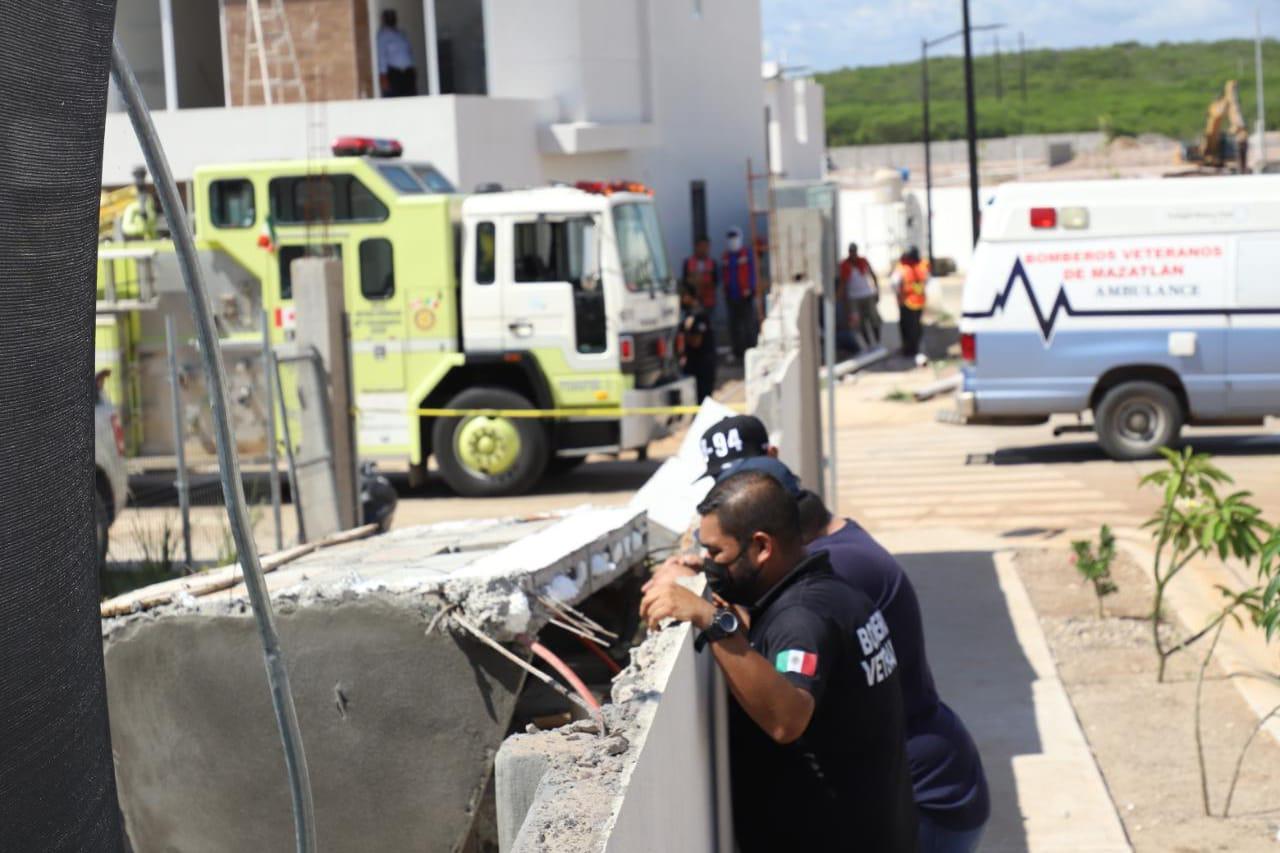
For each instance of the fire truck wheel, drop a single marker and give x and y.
(1135, 419)
(484, 456)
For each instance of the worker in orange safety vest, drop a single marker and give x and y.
(908, 280)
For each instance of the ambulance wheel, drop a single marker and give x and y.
(1135, 419)
(486, 457)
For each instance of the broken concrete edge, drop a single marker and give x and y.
(563, 789)
(1243, 650)
(221, 577)
(565, 562)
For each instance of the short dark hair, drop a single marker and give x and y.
(813, 512)
(853, 248)
(388, 17)
(753, 502)
(701, 238)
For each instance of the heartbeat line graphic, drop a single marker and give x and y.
(1062, 306)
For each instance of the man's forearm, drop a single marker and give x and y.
(776, 705)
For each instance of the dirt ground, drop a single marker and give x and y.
(1141, 732)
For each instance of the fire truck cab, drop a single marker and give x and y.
(464, 312)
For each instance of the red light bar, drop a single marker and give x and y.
(366, 146)
(1044, 217)
(611, 187)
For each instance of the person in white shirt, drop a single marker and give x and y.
(396, 75)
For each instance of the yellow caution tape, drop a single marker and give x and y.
(592, 412)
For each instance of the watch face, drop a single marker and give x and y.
(727, 621)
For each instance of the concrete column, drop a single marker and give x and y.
(433, 56)
(322, 325)
(518, 769)
(170, 61)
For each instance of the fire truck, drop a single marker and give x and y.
(463, 312)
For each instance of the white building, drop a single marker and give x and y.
(795, 112)
(666, 92)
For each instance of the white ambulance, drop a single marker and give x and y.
(1150, 303)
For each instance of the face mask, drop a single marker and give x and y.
(734, 582)
(735, 243)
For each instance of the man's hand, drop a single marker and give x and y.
(667, 599)
(679, 566)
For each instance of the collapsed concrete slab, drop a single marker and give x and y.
(400, 714)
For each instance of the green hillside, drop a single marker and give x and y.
(1123, 89)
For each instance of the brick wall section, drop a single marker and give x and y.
(331, 38)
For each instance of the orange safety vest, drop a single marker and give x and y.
(914, 277)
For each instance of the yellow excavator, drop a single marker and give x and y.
(1219, 149)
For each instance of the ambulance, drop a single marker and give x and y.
(557, 300)
(1151, 304)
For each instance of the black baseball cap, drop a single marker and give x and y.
(730, 441)
(765, 465)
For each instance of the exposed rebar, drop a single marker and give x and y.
(228, 463)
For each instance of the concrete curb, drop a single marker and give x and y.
(1064, 799)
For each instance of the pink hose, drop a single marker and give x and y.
(567, 674)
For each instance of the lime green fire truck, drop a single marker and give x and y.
(461, 310)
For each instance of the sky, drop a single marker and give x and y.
(826, 34)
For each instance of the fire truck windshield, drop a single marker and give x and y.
(644, 258)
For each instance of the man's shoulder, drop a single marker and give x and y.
(823, 594)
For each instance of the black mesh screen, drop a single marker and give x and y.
(57, 786)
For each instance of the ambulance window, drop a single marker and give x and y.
(231, 204)
(323, 198)
(377, 269)
(486, 251)
(289, 254)
(1257, 259)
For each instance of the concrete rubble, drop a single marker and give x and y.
(400, 722)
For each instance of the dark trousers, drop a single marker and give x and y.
(701, 365)
(742, 325)
(912, 329)
(401, 83)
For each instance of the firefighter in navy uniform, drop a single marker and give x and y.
(699, 342)
(817, 750)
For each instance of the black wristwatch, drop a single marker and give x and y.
(724, 624)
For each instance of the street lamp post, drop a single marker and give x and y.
(971, 122)
(925, 44)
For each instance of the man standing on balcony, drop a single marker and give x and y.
(396, 75)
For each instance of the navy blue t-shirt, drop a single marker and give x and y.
(946, 771)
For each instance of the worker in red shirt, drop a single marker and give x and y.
(739, 271)
(702, 273)
(860, 291)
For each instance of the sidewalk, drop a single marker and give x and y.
(993, 666)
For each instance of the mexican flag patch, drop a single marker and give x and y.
(795, 660)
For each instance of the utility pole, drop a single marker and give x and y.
(925, 44)
(1262, 110)
(971, 124)
(928, 163)
(1022, 65)
(999, 81)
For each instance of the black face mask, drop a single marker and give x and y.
(733, 587)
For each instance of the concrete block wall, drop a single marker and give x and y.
(331, 38)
